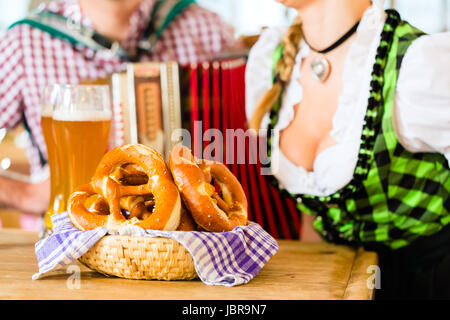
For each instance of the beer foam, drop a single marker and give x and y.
(82, 115)
(46, 111)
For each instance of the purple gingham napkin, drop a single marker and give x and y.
(227, 258)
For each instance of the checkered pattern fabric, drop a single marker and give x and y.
(31, 58)
(395, 196)
(221, 258)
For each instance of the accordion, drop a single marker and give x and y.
(161, 104)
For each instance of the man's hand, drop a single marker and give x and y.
(25, 196)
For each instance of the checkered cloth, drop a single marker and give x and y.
(227, 258)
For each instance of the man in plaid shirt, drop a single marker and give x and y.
(31, 58)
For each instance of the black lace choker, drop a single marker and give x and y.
(340, 41)
(320, 67)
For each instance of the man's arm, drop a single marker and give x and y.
(24, 196)
(17, 194)
(11, 79)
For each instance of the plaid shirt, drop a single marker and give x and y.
(31, 59)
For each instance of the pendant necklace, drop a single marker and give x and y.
(320, 66)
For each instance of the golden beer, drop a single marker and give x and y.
(82, 143)
(76, 130)
(57, 203)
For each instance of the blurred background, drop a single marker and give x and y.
(247, 17)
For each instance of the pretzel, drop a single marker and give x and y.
(210, 211)
(97, 204)
(186, 221)
(137, 206)
(81, 217)
(130, 174)
(106, 182)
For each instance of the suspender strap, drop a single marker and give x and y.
(60, 27)
(164, 12)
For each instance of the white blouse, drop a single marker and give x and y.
(421, 111)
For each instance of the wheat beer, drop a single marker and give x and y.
(82, 140)
(56, 201)
(76, 123)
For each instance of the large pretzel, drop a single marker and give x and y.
(186, 221)
(210, 211)
(106, 182)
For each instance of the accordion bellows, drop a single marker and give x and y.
(207, 100)
(149, 258)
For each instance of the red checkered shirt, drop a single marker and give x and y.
(31, 59)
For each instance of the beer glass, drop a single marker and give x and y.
(81, 125)
(57, 201)
(82, 120)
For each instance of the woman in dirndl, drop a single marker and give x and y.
(355, 105)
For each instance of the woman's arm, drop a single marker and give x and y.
(422, 104)
(307, 232)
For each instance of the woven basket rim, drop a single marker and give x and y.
(115, 258)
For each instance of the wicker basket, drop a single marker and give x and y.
(140, 258)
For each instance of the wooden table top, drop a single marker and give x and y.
(298, 271)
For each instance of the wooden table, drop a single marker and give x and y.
(298, 271)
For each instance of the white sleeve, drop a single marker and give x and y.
(422, 103)
(258, 74)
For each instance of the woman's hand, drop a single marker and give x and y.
(307, 232)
